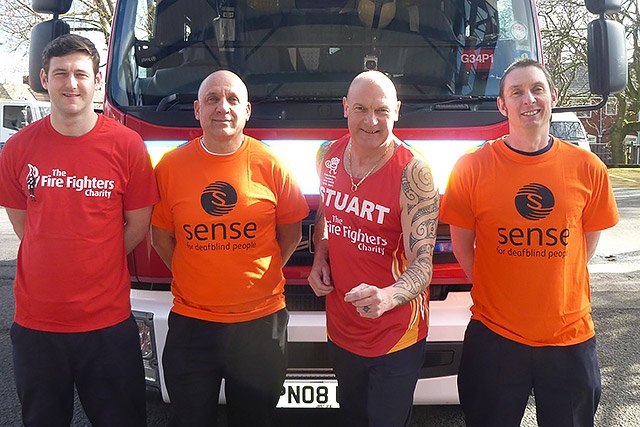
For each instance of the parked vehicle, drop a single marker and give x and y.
(297, 58)
(16, 114)
(567, 126)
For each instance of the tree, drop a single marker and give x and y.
(627, 119)
(564, 29)
(17, 20)
(94, 15)
(18, 17)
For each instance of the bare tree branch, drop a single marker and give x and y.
(18, 17)
(563, 28)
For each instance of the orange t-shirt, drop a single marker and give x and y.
(530, 213)
(224, 210)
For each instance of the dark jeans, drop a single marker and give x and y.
(497, 376)
(377, 391)
(248, 355)
(104, 365)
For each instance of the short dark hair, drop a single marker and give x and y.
(67, 44)
(523, 63)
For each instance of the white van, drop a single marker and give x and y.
(16, 114)
(567, 126)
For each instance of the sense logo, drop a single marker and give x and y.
(219, 198)
(534, 201)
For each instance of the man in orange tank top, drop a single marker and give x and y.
(526, 212)
(374, 239)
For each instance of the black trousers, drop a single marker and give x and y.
(104, 365)
(497, 376)
(248, 355)
(377, 391)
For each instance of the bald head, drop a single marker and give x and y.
(374, 79)
(222, 108)
(371, 108)
(223, 78)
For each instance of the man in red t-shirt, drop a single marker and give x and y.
(374, 240)
(228, 219)
(78, 188)
(526, 212)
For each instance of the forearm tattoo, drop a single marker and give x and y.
(422, 206)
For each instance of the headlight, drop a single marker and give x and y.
(147, 347)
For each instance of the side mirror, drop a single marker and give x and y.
(56, 7)
(607, 57)
(41, 35)
(603, 6)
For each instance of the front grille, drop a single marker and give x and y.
(308, 356)
(444, 258)
(302, 298)
(303, 256)
(311, 360)
(149, 286)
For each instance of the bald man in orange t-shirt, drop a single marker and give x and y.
(228, 220)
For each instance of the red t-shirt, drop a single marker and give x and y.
(224, 210)
(530, 213)
(71, 273)
(366, 244)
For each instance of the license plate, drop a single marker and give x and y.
(309, 394)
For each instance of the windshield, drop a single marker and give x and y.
(39, 112)
(310, 50)
(569, 131)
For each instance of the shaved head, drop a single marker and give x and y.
(227, 78)
(377, 78)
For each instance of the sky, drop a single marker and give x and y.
(13, 64)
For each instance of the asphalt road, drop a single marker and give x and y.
(615, 273)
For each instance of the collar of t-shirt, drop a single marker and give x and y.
(534, 153)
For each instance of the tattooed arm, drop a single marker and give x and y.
(420, 203)
(420, 208)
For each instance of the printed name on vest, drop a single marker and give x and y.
(352, 204)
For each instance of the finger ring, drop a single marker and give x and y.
(366, 308)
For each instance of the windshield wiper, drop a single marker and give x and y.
(285, 99)
(448, 102)
(177, 101)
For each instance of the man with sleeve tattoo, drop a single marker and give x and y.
(374, 240)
